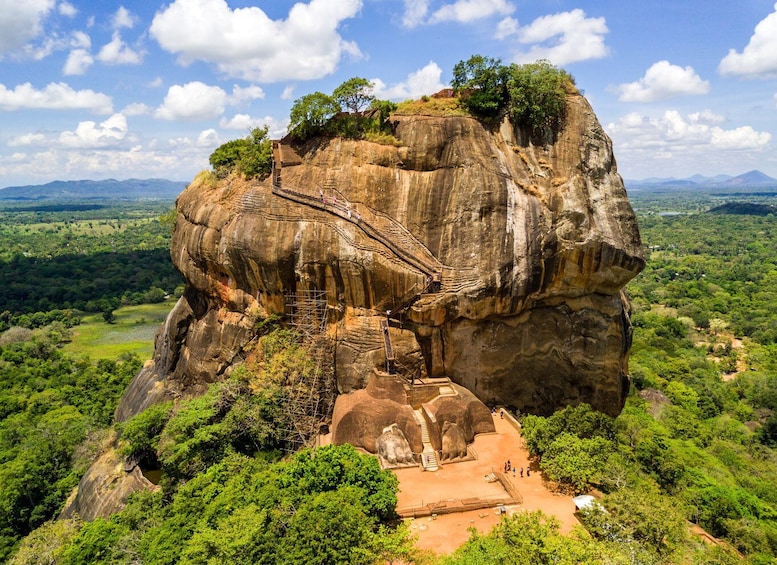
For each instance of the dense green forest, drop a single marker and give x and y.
(57, 259)
(695, 444)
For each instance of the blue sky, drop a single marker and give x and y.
(93, 90)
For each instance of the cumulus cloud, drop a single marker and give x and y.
(27, 139)
(696, 140)
(423, 81)
(123, 19)
(661, 81)
(192, 101)
(55, 96)
(245, 43)
(240, 122)
(22, 22)
(245, 123)
(118, 53)
(759, 57)
(78, 62)
(136, 109)
(246, 94)
(507, 27)
(195, 101)
(464, 11)
(563, 38)
(88, 134)
(415, 12)
(67, 9)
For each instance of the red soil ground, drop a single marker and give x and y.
(466, 480)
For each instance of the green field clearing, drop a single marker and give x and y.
(132, 332)
(84, 227)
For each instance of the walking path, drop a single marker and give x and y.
(459, 483)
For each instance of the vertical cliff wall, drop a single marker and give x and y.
(532, 246)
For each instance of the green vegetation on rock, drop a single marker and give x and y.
(532, 95)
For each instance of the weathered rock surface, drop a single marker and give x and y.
(532, 245)
(105, 487)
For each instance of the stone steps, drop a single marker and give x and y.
(429, 458)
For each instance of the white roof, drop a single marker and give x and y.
(583, 501)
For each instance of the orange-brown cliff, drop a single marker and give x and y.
(533, 245)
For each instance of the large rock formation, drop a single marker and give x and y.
(533, 244)
(498, 263)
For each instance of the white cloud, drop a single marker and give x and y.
(22, 22)
(506, 28)
(563, 38)
(245, 123)
(759, 57)
(156, 83)
(55, 96)
(78, 62)
(661, 81)
(91, 135)
(240, 122)
(118, 53)
(192, 101)
(465, 11)
(423, 81)
(245, 43)
(27, 139)
(139, 160)
(744, 137)
(692, 142)
(288, 93)
(80, 40)
(208, 138)
(123, 19)
(415, 12)
(244, 94)
(136, 109)
(67, 9)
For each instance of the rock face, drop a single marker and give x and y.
(465, 253)
(105, 487)
(532, 245)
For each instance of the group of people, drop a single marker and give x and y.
(508, 466)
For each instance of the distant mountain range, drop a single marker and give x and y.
(747, 180)
(108, 189)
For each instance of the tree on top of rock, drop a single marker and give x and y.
(532, 95)
(354, 95)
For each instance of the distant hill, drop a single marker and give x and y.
(108, 189)
(751, 179)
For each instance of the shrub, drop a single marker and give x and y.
(538, 96)
(532, 95)
(250, 156)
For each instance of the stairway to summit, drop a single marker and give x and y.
(377, 225)
(429, 458)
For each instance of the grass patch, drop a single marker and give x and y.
(429, 106)
(132, 332)
(382, 138)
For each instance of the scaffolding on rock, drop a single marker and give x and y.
(310, 399)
